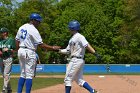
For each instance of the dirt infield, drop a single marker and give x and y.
(103, 83)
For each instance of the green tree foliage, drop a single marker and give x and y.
(5, 13)
(112, 27)
(100, 21)
(129, 33)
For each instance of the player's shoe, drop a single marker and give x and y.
(9, 91)
(3, 91)
(95, 91)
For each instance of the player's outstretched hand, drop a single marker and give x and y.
(56, 48)
(5, 49)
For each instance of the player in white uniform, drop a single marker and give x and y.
(76, 49)
(27, 40)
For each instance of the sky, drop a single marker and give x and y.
(23, 0)
(20, 0)
(13, 2)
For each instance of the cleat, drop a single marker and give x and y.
(95, 91)
(3, 91)
(9, 91)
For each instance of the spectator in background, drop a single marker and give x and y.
(7, 47)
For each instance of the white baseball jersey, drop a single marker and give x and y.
(76, 49)
(76, 46)
(28, 36)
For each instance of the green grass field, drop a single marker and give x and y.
(37, 83)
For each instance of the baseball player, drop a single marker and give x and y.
(76, 48)
(7, 47)
(27, 40)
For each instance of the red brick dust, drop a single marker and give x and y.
(103, 84)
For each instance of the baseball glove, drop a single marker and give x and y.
(98, 56)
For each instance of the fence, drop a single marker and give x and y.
(88, 68)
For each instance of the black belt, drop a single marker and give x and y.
(23, 47)
(26, 48)
(76, 57)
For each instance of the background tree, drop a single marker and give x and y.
(112, 27)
